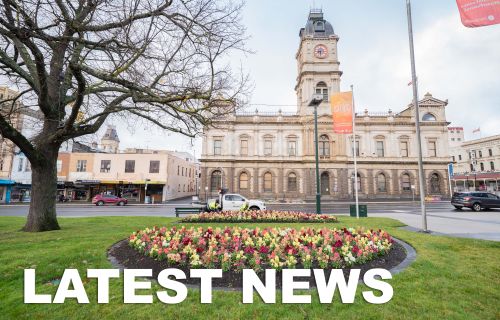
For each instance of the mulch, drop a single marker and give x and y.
(129, 258)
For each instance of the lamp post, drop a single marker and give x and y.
(315, 102)
(414, 81)
(206, 194)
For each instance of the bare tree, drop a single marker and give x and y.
(78, 62)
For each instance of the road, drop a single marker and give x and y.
(442, 218)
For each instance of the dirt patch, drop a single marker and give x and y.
(122, 255)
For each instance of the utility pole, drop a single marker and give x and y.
(417, 118)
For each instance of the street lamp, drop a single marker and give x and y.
(315, 102)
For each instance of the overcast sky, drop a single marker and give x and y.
(453, 62)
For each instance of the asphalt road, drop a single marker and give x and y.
(442, 218)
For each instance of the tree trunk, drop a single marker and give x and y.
(42, 213)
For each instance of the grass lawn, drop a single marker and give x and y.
(452, 278)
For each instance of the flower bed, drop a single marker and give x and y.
(235, 248)
(260, 216)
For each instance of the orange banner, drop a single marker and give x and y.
(342, 112)
(478, 13)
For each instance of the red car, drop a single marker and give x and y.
(102, 199)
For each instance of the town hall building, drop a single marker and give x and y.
(272, 156)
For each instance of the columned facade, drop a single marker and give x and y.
(272, 156)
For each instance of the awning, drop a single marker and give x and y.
(6, 182)
(125, 182)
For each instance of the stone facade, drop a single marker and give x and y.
(272, 156)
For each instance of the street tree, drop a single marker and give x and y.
(77, 63)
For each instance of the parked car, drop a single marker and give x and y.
(234, 202)
(102, 199)
(475, 200)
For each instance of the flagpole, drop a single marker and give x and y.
(417, 118)
(354, 153)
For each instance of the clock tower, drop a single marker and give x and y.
(317, 62)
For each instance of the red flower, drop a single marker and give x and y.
(264, 249)
(355, 249)
(338, 244)
(249, 250)
(186, 241)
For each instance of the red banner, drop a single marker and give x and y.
(341, 104)
(478, 13)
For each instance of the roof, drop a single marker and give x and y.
(111, 134)
(316, 25)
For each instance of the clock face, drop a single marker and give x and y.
(320, 51)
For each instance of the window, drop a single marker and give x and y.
(404, 149)
(268, 147)
(319, 26)
(432, 148)
(178, 170)
(292, 148)
(217, 147)
(356, 148)
(81, 165)
(459, 139)
(492, 166)
(244, 147)
(429, 117)
(105, 166)
(244, 181)
(381, 183)
(268, 182)
(459, 157)
(182, 170)
(405, 182)
(28, 165)
(435, 183)
(216, 180)
(358, 182)
(154, 166)
(129, 166)
(292, 182)
(472, 168)
(380, 149)
(452, 139)
(20, 165)
(59, 165)
(490, 152)
(324, 146)
(480, 154)
(322, 89)
(482, 166)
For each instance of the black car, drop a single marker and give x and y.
(476, 200)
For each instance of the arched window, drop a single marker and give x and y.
(243, 181)
(429, 117)
(325, 183)
(324, 146)
(435, 183)
(319, 26)
(216, 180)
(381, 183)
(405, 182)
(268, 182)
(322, 88)
(292, 182)
(358, 183)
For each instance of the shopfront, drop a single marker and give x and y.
(134, 191)
(84, 190)
(5, 190)
(21, 193)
